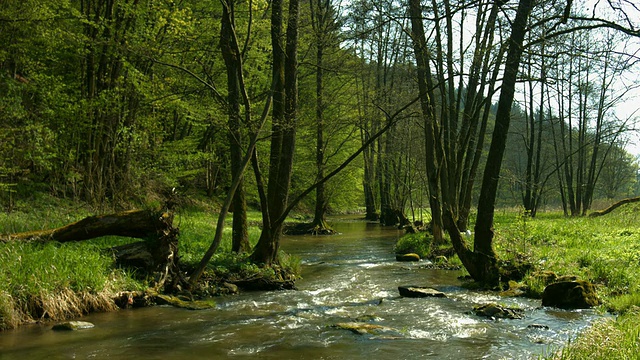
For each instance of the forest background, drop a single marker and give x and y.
(120, 103)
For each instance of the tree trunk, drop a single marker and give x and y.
(240, 236)
(428, 112)
(614, 206)
(284, 127)
(486, 268)
(321, 24)
(135, 223)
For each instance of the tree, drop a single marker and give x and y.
(383, 82)
(323, 22)
(481, 262)
(457, 104)
(618, 174)
(587, 129)
(284, 116)
(233, 62)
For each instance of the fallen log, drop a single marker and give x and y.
(140, 224)
(614, 206)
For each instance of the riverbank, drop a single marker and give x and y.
(352, 277)
(42, 282)
(604, 250)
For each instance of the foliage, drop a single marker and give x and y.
(419, 243)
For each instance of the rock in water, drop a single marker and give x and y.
(498, 311)
(577, 294)
(364, 328)
(417, 291)
(162, 299)
(73, 325)
(408, 257)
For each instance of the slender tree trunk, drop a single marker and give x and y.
(320, 20)
(483, 245)
(284, 126)
(240, 236)
(428, 112)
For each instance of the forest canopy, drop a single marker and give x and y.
(116, 102)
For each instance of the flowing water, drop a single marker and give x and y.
(348, 277)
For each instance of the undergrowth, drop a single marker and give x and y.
(418, 243)
(604, 250)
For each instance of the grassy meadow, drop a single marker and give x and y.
(604, 250)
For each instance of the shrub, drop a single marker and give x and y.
(419, 243)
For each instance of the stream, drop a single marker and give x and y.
(348, 277)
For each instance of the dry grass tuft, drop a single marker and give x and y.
(63, 305)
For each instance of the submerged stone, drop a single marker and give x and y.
(361, 328)
(408, 257)
(515, 290)
(538, 327)
(162, 299)
(577, 294)
(498, 311)
(229, 288)
(73, 325)
(419, 292)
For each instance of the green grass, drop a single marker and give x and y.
(608, 339)
(604, 250)
(197, 229)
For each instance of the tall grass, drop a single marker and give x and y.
(197, 229)
(55, 281)
(609, 339)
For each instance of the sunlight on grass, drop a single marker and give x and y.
(604, 250)
(609, 339)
